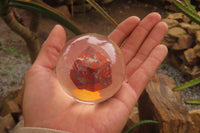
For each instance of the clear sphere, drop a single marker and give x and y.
(90, 68)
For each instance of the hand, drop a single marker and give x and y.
(46, 105)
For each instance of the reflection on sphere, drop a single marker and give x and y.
(90, 68)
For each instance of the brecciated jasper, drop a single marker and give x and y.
(90, 68)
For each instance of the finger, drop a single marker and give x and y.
(153, 39)
(148, 68)
(138, 36)
(131, 90)
(51, 48)
(122, 31)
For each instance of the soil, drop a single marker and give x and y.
(15, 62)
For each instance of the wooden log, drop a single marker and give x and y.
(158, 102)
(195, 115)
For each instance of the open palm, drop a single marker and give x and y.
(46, 104)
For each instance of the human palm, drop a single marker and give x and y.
(46, 104)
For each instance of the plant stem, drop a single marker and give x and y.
(190, 83)
(35, 19)
(31, 39)
(193, 102)
(46, 10)
(141, 123)
(102, 12)
(192, 15)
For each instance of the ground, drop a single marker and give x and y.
(14, 58)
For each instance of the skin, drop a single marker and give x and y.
(46, 104)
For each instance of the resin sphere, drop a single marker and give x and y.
(90, 68)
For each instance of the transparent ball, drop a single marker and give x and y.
(90, 68)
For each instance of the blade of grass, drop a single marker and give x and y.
(190, 6)
(195, 17)
(193, 102)
(141, 123)
(188, 84)
(102, 12)
(48, 11)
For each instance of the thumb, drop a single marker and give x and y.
(51, 48)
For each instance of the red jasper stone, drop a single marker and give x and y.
(91, 70)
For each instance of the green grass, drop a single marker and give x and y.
(9, 50)
(188, 84)
(10, 68)
(5, 72)
(162, 66)
(12, 51)
(14, 78)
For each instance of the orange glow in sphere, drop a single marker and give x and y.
(90, 68)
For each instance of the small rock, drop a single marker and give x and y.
(10, 107)
(197, 50)
(186, 19)
(176, 32)
(192, 28)
(198, 36)
(19, 98)
(190, 56)
(11, 95)
(175, 16)
(195, 71)
(184, 42)
(170, 22)
(170, 39)
(6, 121)
(168, 44)
(185, 25)
(185, 69)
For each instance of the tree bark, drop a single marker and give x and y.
(31, 38)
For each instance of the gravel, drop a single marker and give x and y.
(188, 93)
(12, 71)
